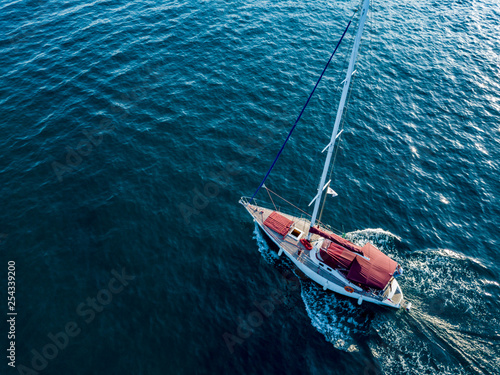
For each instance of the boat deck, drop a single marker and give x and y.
(293, 246)
(289, 244)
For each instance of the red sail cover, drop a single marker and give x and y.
(375, 272)
(337, 239)
(278, 223)
(336, 256)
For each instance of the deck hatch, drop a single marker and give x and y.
(278, 223)
(296, 233)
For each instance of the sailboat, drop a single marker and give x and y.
(322, 254)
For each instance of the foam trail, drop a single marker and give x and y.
(446, 321)
(267, 253)
(336, 319)
(380, 238)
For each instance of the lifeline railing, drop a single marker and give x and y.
(302, 216)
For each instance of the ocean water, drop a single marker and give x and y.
(129, 130)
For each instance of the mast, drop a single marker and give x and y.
(350, 69)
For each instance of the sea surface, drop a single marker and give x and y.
(130, 129)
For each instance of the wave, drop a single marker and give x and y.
(336, 318)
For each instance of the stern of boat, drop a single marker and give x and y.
(393, 294)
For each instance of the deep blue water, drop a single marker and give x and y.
(129, 130)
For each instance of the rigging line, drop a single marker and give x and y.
(303, 108)
(265, 187)
(294, 206)
(291, 204)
